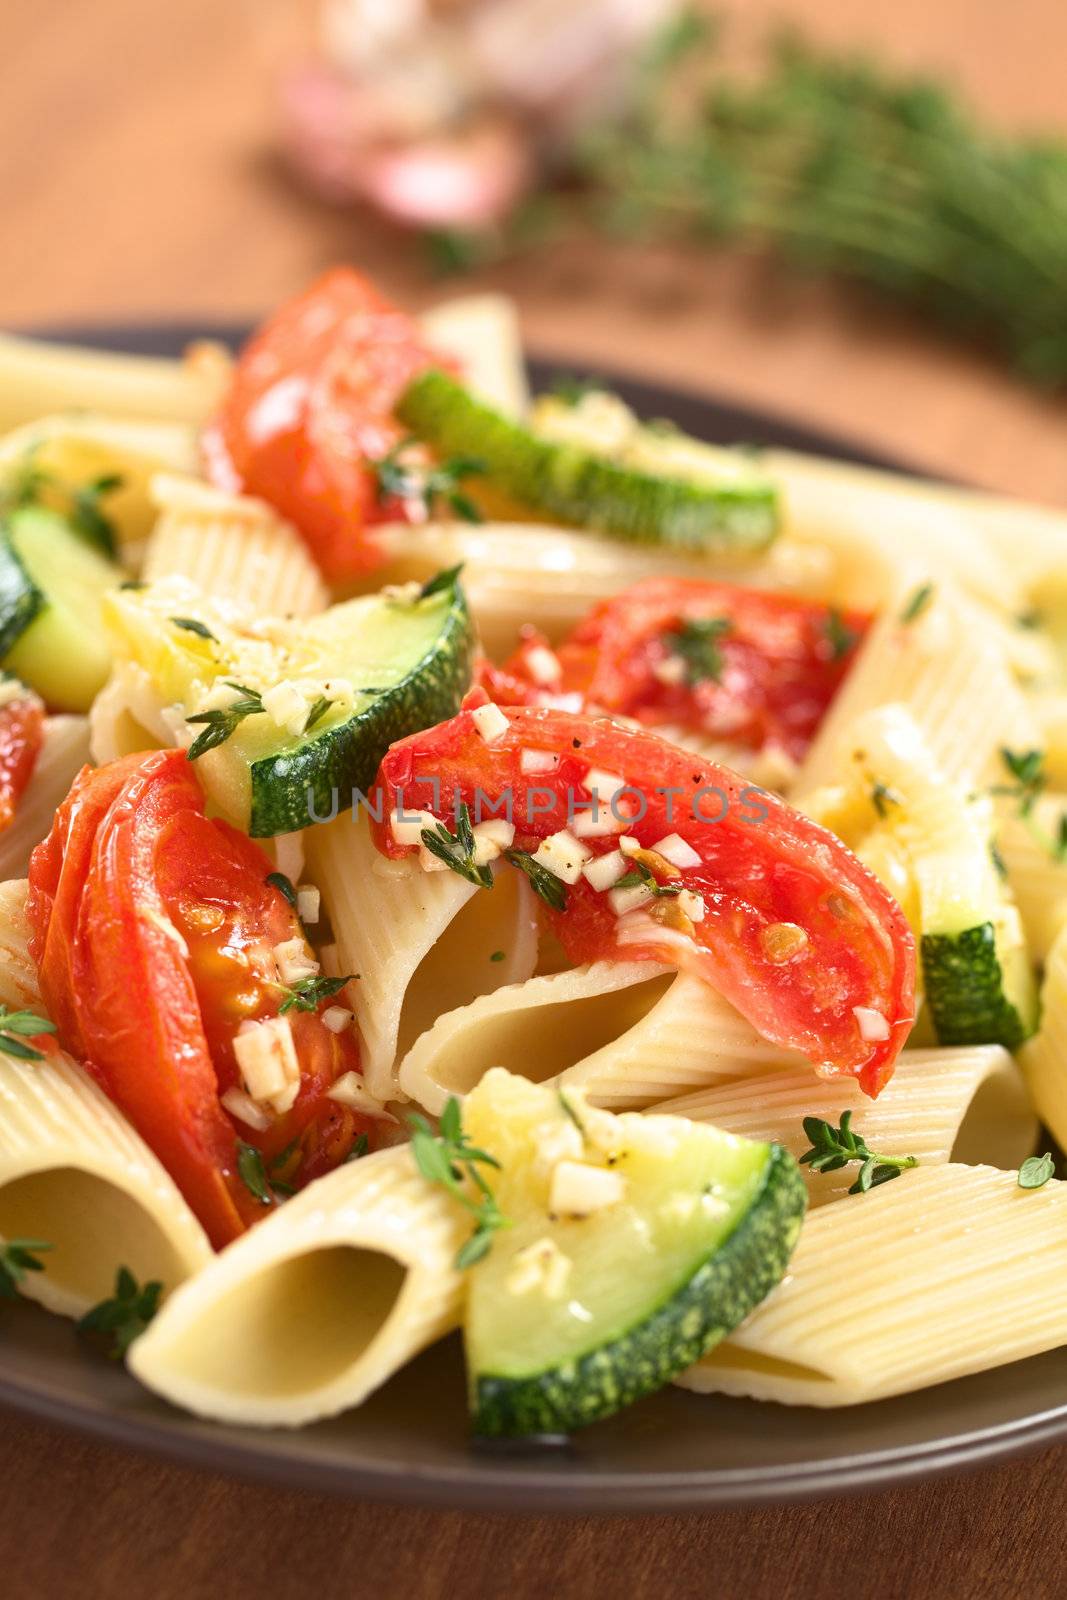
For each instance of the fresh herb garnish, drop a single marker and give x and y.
(697, 642)
(497, 955)
(309, 993)
(318, 710)
(135, 585)
(284, 886)
(569, 1112)
(34, 486)
(572, 391)
(883, 798)
(124, 1317)
(1027, 767)
(253, 1174)
(26, 1024)
(424, 487)
(222, 723)
(17, 1257)
(1036, 1171)
(440, 582)
(457, 850)
(360, 1146)
(833, 1148)
(448, 1159)
(545, 884)
(641, 873)
(192, 625)
(917, 602)
(88, 519)
(839, 636)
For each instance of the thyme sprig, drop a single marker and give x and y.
(457, 850)
(222, 723)
(448, 1158)
(15, 1026)
(833, 1148)
(427, 488)
(696, 642)
(17, 1257)
(118, 1321)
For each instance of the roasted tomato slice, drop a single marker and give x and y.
(157, 939)
(711, 658)
(778, 915)
(310, 405)
(21, 733)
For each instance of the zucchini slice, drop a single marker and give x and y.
(52, 632)
(723, 505)
(572, 1316)
(336, 690)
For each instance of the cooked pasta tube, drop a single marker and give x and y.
(926, 654)
(1037, 876)
(515, 573)
(19, 989)
(628, 1033)
(127, 716)
(38, 377)
(945, 1271)
(919, 1113)
(539, 1028)
(481, 331)
(318, 1305)
(231, 547)
(64, 751)
(419, 942)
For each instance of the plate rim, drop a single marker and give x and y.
(475, 1484)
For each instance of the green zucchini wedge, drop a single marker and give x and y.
(287, 719)
(52, 633)
(635, 1244)
(611, 487)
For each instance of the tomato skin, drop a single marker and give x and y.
(119, 894)
(752, 874)
(311, 402)
(21, 733)
(780, 667)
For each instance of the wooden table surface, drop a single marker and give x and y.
(138, 180)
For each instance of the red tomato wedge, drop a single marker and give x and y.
(154, 930)
(310, 404)
(21, 733)
(796, 933)
(740, 664)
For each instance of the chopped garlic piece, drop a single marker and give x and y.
(671, 671)
(349, 1090)
(563, 855)
(537, 761)
(267, 1061)
(543, 665)
(286, 706)
(622, 901)
(295, 962)
(406, 826)
(603, 872)
(585, 826)
(691, 905)
(308, 903)
(605, 785)
(244, 1108)
(491, 839)
(872, 1025)
(629, 845)
(490, 723)
(578, 1190)
(675, 849)
(541, 1265)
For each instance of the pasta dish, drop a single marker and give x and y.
(473, 861)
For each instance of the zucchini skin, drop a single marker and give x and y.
(20, 599)
(292, 789)
(577, 486)
(730, 1283)
(964, 989)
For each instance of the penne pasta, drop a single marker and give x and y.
(1044, 1058)
(481, 332)
(946, 1271)
(317, 1306)
(232, 548)
(38, 378)
(417, 941)
(1038, 877)
(920, 1113)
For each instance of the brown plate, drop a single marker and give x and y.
(675, 1451)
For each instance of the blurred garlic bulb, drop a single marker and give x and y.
(441, 111)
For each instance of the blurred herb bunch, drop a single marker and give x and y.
(831, 163)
